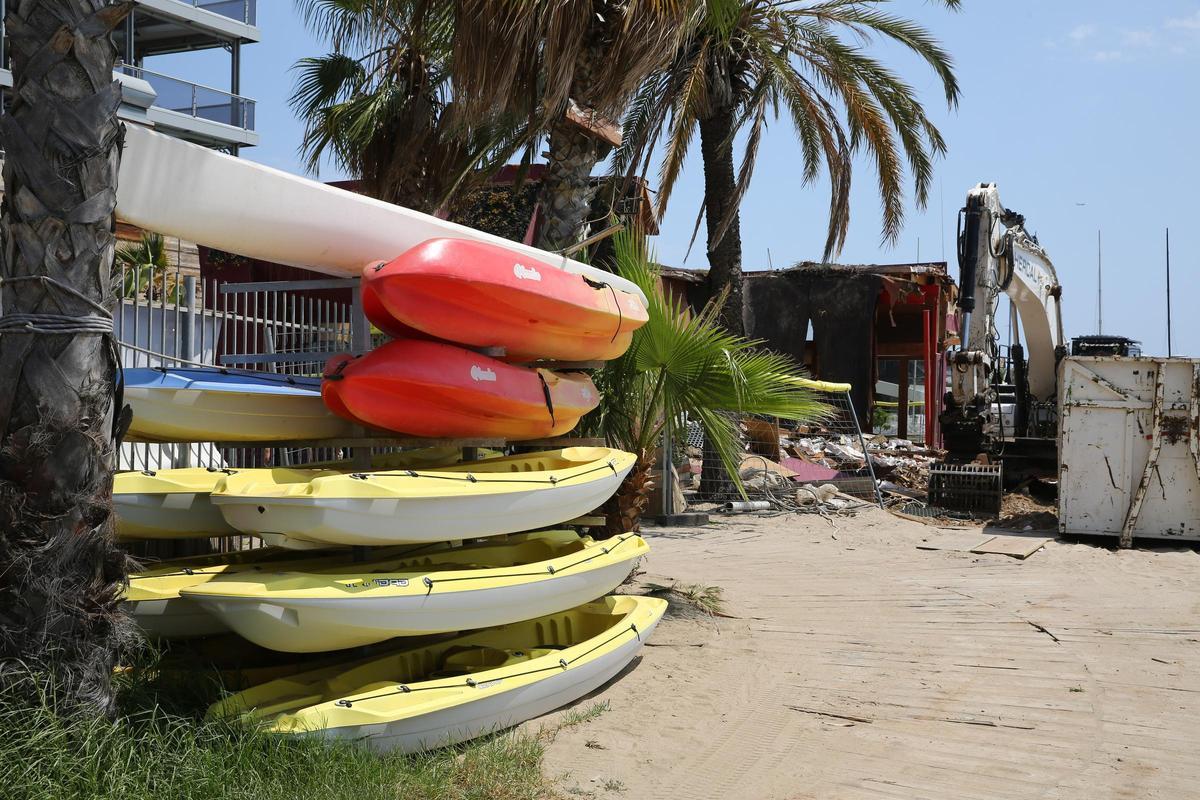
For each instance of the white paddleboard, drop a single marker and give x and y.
(181, 189)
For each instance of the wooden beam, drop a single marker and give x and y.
(595, 125)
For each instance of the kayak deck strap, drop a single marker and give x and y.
(429, 582)
(561, 665)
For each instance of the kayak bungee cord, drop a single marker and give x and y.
(546, 394)
(429, 582)
(150, 473)
(265, 377)
(337, 375)
(616, 302)
(186, 571)
(484, 477)
(562, 664)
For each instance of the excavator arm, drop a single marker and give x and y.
(998, 256)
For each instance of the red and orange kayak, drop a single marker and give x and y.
(484, 295)
(438, 390)
(378, 316)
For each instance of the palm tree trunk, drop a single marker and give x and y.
(624, 511)
(724, 263)
(566, 194)
(720, 194)
(61, 575)
(567, 191)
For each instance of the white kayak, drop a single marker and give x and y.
(297, 508)
(210, 404)
(457, 689)
(195, 193)
(311, 608)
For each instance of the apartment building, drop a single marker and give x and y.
(203, 113)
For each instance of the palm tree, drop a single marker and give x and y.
(747, 62)
(562, 63)
(682, 364)
(379, 105)
(61, 574)
(516, 70)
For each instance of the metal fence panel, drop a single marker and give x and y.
(170, 318)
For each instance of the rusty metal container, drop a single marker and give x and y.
(1129, 447)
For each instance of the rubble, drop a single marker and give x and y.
(899, 460)
(813, 459)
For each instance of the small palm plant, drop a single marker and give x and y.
(683, 364)
(141, 267)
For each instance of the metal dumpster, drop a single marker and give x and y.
(1129, 447)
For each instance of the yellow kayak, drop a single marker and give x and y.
(295, 507)
(153, 600)
(305, 608)
(175, 504)
(168, 504)
(457, 689)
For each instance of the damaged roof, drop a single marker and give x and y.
(935, 269)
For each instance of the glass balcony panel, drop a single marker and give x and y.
(242, 10)
(202, 102)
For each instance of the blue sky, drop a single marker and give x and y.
(1087, 115)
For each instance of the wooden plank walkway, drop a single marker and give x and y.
(862, 667)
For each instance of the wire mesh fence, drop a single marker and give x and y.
(840, 443)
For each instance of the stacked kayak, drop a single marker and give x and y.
(297, 507)
(168, 504)
(456, 689)
(482, 295)
(288, 602)
(176, 503)
(303, 609)
(445, 295)
(206, 404)
(471, 556)
(438, 390)
(153, 600)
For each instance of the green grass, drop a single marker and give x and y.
(150, 753)
(578, 716)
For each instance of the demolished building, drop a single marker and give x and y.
(884, 329)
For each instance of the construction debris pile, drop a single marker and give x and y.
(895, 461)
(818, 470)
(902, 462)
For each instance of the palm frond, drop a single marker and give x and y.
(808, 60)
(690, 102)
(685, 364)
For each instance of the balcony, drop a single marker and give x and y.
(244, 11)
(196, 100)
(172, 26)
(195, 112)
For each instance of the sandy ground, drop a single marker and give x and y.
(859, 666)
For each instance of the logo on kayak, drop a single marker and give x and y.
(526, 273)
(478, 373)
(489, 684)
(587, 394)
(391, 582)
